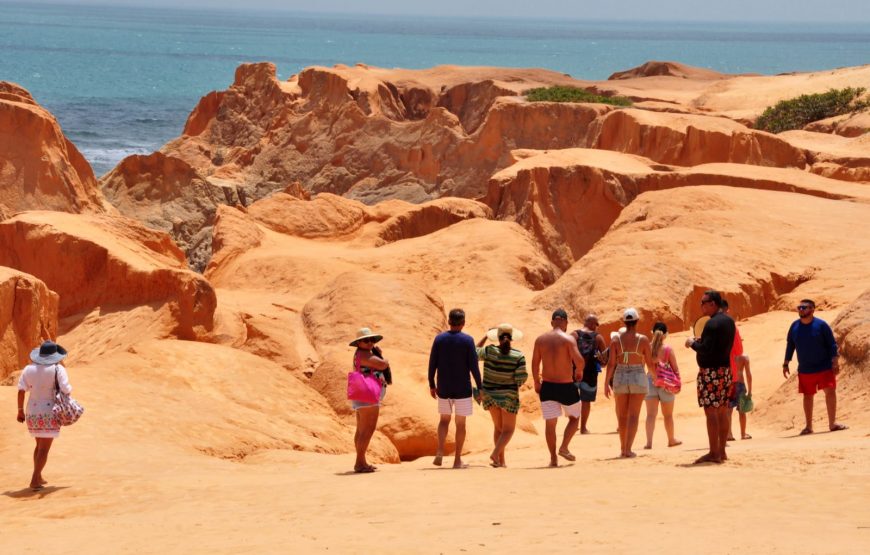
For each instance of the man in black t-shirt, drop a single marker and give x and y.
(713, 350)
(591, 346)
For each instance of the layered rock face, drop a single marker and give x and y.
(39, 167)
(108, 262)
(28, 316)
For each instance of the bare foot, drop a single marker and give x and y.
(629, 455)
(647, 446)
(459, 465)
(567, 455)
(746, 436)
(437, 460)
(724, 458)
(364, 469)
(585, 431)
(729, 438)
(806, 431)
(707, 458)
(42, 481)
(36, 487)
(838, 427)
(554, 463)
(675, 443)
(494, 462)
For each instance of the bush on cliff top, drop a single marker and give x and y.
(573, 94)
(797, 113)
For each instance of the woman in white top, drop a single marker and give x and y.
(41, 379)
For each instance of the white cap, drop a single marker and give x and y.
(630, 315)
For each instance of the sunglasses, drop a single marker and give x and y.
(707, 301)
(804, 307)
(372, 341)
(505, 336)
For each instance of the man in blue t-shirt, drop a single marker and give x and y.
(453, 361)
(818, 363)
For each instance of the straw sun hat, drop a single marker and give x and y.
(365, 333)
(502, 329)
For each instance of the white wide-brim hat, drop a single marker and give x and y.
(365, 333)
(48, 353)
(494, 333)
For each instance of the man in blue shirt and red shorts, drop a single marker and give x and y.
(818, 363)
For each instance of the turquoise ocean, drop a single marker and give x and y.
(123, 80)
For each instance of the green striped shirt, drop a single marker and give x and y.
(502, 371)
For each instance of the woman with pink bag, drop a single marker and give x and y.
(664, 388)
(367, 385)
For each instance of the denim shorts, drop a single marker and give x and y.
(658, 393)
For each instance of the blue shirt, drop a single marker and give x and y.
(815, 345)
(454, 360)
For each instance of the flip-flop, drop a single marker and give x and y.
(839, 427)
(364, 470)
(806, 432)
(567, 455)
(675, 444)
(747, 436)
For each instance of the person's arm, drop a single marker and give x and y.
(536, 366)
(789, 352)
(482, 341)
(646, 351)
(20, 416)
(473, 365)
(433, 365)
(611, 365)
(831, 342)
(63, 380)
(374, 361)
(748, 375)
(520, 373)
(579, 362)
(672, 360)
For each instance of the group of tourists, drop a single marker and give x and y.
(565, 367)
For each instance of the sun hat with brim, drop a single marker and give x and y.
(48, 353)
(630, 315)
(365, 333)
(502, 329)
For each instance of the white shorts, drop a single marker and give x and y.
(461, 406)
(553, 409)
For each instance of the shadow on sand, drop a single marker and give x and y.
(29, 493)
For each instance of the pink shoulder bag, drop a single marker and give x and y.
(365, 388)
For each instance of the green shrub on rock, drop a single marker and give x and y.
(798, 112)
(573, 94)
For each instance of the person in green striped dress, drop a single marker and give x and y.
(504, 371)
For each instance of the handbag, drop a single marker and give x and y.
(66, 409)
(744, 403)
(666, 378)
(363, 388)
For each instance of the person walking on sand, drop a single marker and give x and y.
(504, 371)
(452, 363)
(42, 379)
(555, 351)
(713, 353)
(739, 364)
(818, 363)
(367, 359)
(665, 361)
(593, 349)
(629, 352)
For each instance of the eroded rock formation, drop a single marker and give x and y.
(28, 316)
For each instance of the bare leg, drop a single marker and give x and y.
(652, 411)
(635, 402)
(460, 441)
(496, 414)
(585, 409)
(724, 426)
(509, 424)
(570, 430)
(730, 435)
(831, 404)
(668, 415)
(712, 416)
(43, 445)
(808, 411)
(367, 421)
(621, 402)
(743, 434)
(550, 433)
(443, 427)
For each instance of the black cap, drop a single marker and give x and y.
(560, 313)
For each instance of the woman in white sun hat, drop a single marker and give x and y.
(41, 379)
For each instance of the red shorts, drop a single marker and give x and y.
(810, 384)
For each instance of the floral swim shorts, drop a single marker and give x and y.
(714, 387)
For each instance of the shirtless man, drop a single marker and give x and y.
(556, 350)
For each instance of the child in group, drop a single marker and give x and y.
(742, 378)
